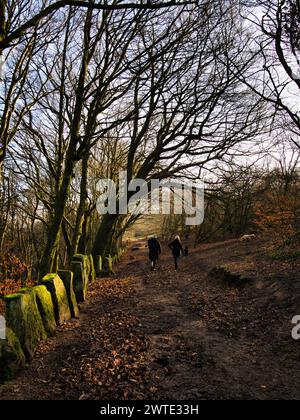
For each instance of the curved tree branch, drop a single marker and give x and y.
(7, 40)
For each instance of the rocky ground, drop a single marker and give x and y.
(181, 335)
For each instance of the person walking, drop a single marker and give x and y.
(177, 249)
(154, 251)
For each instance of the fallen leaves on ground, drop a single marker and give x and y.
(103, 357)
(184, 335)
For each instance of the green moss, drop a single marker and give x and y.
(13, 296)
(25, 290)
(79, 257)
(24, 318)
(84, 259)
(108, 266)
(12, 358)
(88, 267)
(80, 281)
(92, 269)
(46, 308)
(99, 265)
(68, 280)
(58, 292)
(48, 277)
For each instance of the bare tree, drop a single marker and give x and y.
(186, 108)
(89, 100)
(145, 89)
(14, 103)
(31, 19)
(273, 71)
(19, 25)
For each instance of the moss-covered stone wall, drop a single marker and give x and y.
(33, 314)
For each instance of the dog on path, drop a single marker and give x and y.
(247, 238)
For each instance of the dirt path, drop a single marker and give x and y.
(168, 335)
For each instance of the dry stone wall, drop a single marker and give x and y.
(33, 314)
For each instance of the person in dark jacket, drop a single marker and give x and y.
(154, 251)
(177, 250)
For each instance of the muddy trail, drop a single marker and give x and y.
(186, 335)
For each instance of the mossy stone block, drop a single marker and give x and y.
(24, 318)
(68, 280)
(12, 357)
(85, 261)
(99, 265)
(80, 282)
(92, 269)
(86, 267)
(59, 296)
(108, 266)
(46, 308)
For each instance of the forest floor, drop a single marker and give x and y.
(177, 335)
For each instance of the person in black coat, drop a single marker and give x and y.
(154, 251)
(177, 250)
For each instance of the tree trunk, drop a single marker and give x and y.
(85, 236)
(48, 260)
(82, 206)
(104, 238)
(2, 235)
(3, 4)
(66, 239)
(1, 162)
(48, 263)
(108, 236)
